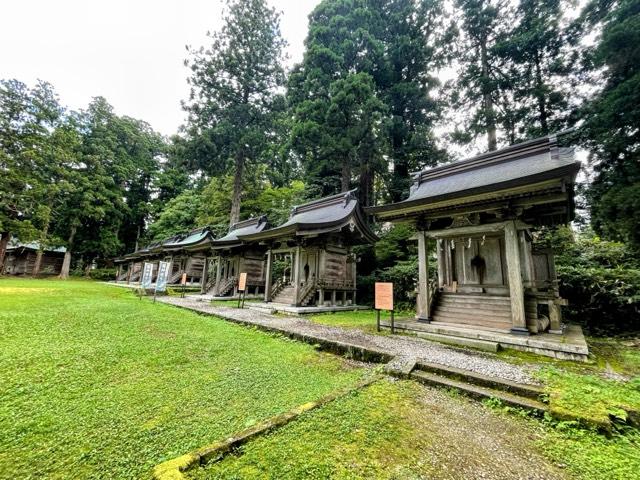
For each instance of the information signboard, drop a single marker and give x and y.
(183, 279)
(384, 296)
(147, 274)
(242, 282)
(163, 276)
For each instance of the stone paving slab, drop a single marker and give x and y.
(349, 339)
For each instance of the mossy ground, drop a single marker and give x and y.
(401, 430)
(602, 391)
(99, 384)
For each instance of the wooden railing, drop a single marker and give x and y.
(276, 288)
(336, 284)
(175, 277)
(308, 290)
(226, 285)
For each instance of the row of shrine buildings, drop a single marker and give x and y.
(478, 213)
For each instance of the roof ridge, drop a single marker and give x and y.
(248, 222)
(489, 158)
(324, 201)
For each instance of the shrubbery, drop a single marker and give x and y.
(103, 274)
(600, 279)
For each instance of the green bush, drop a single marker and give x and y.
(103, 274)
(604, 300)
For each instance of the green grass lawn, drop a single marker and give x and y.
(99, 384)
(364, 320)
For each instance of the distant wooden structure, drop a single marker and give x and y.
(21, 258)
(232, 256)
(309, 259)
(479, 213)
(186, 252)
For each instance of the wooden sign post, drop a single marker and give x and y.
(183, 283)
(384, 301)
(242, 287)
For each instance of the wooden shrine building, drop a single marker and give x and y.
(232, 256)
(187, 253)
(21, 258)
(480, 213)
(309, 258)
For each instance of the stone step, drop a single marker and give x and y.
(481, 311)
(459, 341)
(470, 319)
(474, 295)
(479, 393)
(524, 390)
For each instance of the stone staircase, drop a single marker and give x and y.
(471, 384)
(490, 311)
(285, 295)
(481, 387)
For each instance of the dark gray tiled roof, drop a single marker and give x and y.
(323, 215)
(246, 227)
(491, 174)
(517, 165)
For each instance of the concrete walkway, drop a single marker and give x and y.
(347, 340)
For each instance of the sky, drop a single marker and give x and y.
(130, 52)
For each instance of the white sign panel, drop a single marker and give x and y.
(163, 276)
(147, 274)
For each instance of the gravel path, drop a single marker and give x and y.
(397, 345)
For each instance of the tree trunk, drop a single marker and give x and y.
(365, 183)
(66, 263)
(4, 243)
(236, 196)
(542, 105)
(40, 252)
(487, 101)
(345, 174)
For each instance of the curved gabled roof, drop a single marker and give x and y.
(245, 227)
(520, 165)
(328, 214)
(200, 237)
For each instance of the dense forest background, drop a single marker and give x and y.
(385, 88)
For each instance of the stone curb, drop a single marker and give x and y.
(174, 469)
(355, 352)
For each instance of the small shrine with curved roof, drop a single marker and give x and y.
(480, 214)
(232, 256)
(309, 258)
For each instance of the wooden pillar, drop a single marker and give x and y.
(295, 274)
(526, 257)
(205, 275)
(516, 289)
(119, 272)
(441, 262)
(333, 298)
(218, 275)
(344, 298)
(422, 313)
(267, 277)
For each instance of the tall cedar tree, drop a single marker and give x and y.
(362, 91)
(484, 24)
(27, 118)
(234, 85)
(538, 70)
(612, 119)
